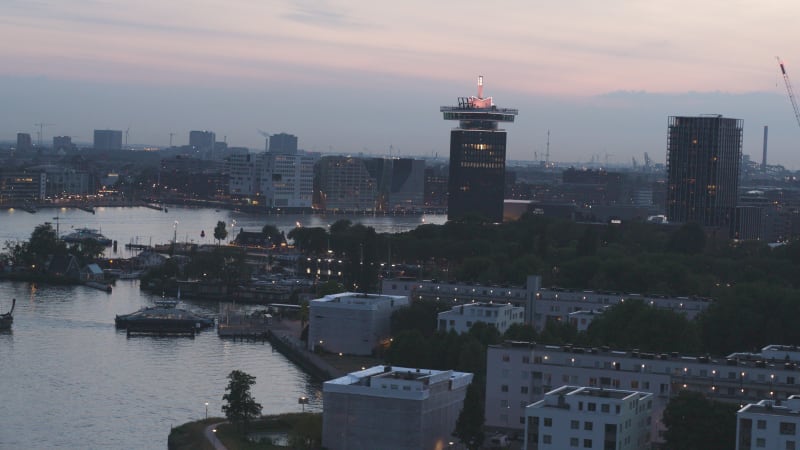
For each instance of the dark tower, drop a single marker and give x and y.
(477, 157)
(703, 155)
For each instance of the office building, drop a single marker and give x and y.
(203, 143)
(462, 317)
(703, 157)
(400, 183)
(589, 418)
(24, 141)
(107, 139)
(769, 424)
(351, 323)
(63, 143)
(22, 186)
(392, 408)
(343, 183)
(476, 179)
(283, 143)
(520, 373)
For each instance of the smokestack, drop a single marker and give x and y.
(764, 155)
(480, 86)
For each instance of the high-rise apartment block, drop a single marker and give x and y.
(395, 408)
(108, 139)
(476, 180)
(703, 158)
(202, 143)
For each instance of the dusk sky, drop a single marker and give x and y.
(361, 76)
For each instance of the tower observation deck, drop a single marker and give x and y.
(477, 157)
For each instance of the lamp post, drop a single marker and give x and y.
(206, 410)
(303, 401)
(175, 233)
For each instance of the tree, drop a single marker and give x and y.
(689, 239)
(694, 422)
(306, 433)
(469, 426)
(220, 232)
(241, 407)
(272, 234)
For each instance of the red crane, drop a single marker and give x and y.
(789, 90)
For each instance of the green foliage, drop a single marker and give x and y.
(312, 240)
(689, 239)
(272, 233)
(696, 423)
(469, 425)
(420, 315)
(634, 324)
(220, 231)
(329, 287)
(240, 407)
(306, 434)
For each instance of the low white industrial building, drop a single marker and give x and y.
(461, 318)
(769, 424)
(589, 418)
(392, 408)
(351, 323)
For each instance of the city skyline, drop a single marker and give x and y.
(604, 79)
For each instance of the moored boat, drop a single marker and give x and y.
(86, 234)
(8, 318)
(163, 321)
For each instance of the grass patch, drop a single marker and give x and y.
(308, 425)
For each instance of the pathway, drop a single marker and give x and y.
(212, 436)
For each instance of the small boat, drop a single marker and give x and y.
(86, 234)
(7, 319)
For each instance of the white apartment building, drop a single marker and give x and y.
(461, 318)
(392, 408)
(769, 424)
(541, 304)
(285, 180)
(520, 373)
(589, 418)
(351, 323)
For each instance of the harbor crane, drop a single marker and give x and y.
(789, 90)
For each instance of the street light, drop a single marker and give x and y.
(206, 410)
(303, 401)
(175, 235)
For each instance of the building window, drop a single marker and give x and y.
(547, 439)
(526, 359)
(574, 424)
(588, 426)
(761, 424)
(548, 422)
(604, 407)
(761, 443)
(790, 445)
(587, 443)
(504, 388)
(573, 442)
(504, 403)
(523, 390)
(788, 428)
(506, 358)
(592, 406)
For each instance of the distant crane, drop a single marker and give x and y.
(170, 138)
(126, 136)
(789, 90)
(41, 126)
(547, 154)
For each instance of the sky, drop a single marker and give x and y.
(357, 76)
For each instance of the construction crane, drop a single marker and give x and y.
(789, 90)
(41, 126)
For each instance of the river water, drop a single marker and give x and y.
(68, 379)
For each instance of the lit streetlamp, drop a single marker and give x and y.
(206, 410)
(303, 401)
